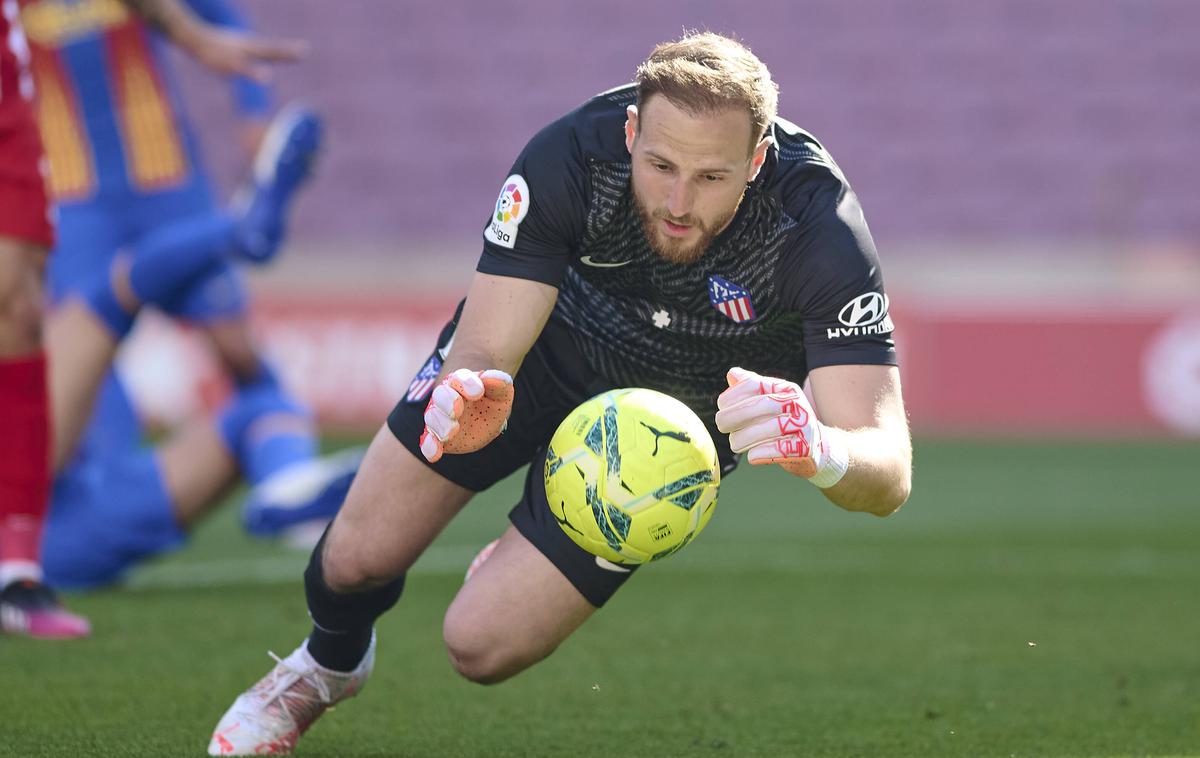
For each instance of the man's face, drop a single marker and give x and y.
(689, 173)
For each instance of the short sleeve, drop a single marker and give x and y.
(540, 212)
(832, 279)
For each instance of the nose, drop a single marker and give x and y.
(679, 201)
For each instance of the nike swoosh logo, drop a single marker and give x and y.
(587, 261)
(444, 351)
(608, 565)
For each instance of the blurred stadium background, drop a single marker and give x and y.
(1028, 169)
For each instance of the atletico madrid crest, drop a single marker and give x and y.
(423, 382)
(731, 299)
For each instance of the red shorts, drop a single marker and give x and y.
(24, 209)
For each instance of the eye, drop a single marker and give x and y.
(713, 178)
(660, 166)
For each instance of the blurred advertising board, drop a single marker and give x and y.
(1101, 372)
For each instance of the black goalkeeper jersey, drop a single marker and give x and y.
(792, 284)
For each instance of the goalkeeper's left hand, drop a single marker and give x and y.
(772, 421)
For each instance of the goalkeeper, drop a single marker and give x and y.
(671, 234)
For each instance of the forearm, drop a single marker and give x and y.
(225, 51)
(879, 477)
(167, 16)
(477, 353)
(500, 321)
(499, 324)
(479, 358)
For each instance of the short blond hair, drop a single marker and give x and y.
(703, 72)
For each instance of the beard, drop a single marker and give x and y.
(674, 249)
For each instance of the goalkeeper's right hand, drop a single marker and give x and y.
(466, 411)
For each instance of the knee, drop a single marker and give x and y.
(481, 654)
(475, 659)
(349, 571)
(476, 665)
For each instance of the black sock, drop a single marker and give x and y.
(342, 623)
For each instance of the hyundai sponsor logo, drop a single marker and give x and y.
(864, 310)
(864, 315)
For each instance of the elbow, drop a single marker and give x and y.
(896, 489)
(889, 496)
(889, 501)
(879, 488)
(878, 501)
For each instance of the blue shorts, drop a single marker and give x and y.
(107, 514)
(90, 234)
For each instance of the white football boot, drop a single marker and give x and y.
(269, 718)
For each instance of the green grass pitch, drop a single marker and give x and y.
(1032, 599)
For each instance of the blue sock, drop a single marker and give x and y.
(174, 255)
(267, 430)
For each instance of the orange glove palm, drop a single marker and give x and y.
(466, 411)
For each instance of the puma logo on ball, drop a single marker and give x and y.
(681, 436)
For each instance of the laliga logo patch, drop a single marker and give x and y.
(511, 207)
(864, 315)
(508, 207)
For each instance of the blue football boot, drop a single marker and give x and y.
(283, 164)
(296, 504)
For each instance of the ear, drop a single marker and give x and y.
(631, 127)
(758, 157)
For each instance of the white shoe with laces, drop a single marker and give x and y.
(269, 718)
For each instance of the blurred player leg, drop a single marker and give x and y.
(260, 431)
(283, 164)
(111, 513)
(85, 328)
(89, 346)
(273, 437)
(294, 493)
(82, 348)
(297, 502)
(84, 332)
(235, 347)
(253, 230)
(299, 498)
(26, 605)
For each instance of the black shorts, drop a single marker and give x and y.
(553, 380)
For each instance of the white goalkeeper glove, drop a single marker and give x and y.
(466, 411)
(772, 422)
